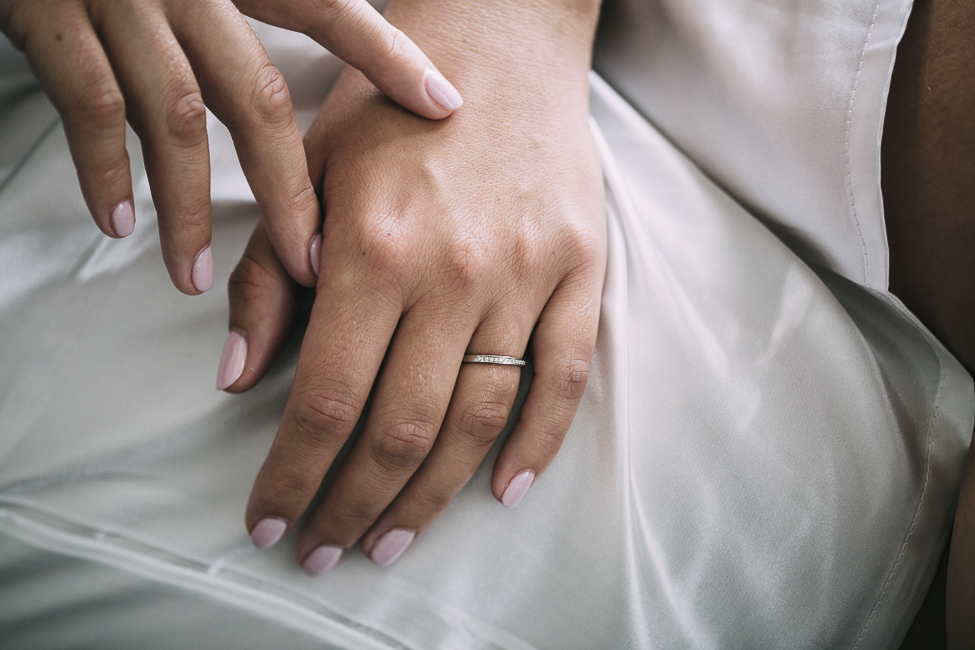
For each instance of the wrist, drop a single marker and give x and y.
(505, 51)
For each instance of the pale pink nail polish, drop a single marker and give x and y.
(268, 532)
(122, 218)
(441, 91)
(231, 360)
(517, 487)
(315, 254)
(202, 274)
(391, 545)
(322, 560)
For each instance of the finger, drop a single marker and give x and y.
(166, 109)
(562, 346)
(351, 324)
(360, 36)
(412, 397)
(262, 306)
(69, 61)
(478, 412)
(250, 96)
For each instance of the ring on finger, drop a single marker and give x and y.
(497, 359)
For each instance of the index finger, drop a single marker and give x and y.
(359, 35)
(350, 327)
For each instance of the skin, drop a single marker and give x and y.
(929, 188)
(491, 239)
(928, 163)
(159, 64)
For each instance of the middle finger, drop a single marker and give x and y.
(413, 394)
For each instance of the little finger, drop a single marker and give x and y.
(562, 347)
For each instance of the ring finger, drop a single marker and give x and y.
(478, 412)
(166, 109)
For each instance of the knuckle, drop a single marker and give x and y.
(304, 200)
(273, 99)
(390, 46)
(484, 421)
(251, 281)
(108, 174)
(385, 250)
(326, 419)
(354, 517)
(103, 108)
(466, 262)
(287, 486)
(431, 502)
(186, 119)
(569, 379)
(195, 216)
(582, 248)
(333, 8)
(547, 441)
(403, 445)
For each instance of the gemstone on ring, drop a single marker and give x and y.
(498, 359)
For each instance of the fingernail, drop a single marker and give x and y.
(391, 545)
(202, 275)
(122, 217)
(231, 360)
(268, 532)
(517, 487)
(315, 254)
(322, 560)
(441, 90)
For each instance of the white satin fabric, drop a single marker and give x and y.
(766, 456)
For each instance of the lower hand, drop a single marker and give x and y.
(483, 233)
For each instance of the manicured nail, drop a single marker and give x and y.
(315, 254)
(122, 217)
(322, 560)
(231, 360)
(441, 90)
(517, 487)
(391, 545)
(268, 532)
(202, 275)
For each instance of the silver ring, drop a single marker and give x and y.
(498, 359)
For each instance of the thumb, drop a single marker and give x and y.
(263, 298)
(358, 34)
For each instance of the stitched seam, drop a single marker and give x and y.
(917, 509)
(846, 145)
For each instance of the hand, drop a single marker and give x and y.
(157, 61)
(483, 233)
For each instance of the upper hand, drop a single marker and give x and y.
(158, 63)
